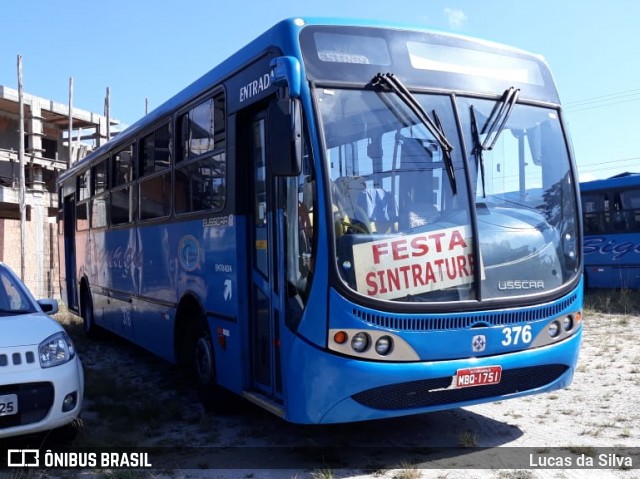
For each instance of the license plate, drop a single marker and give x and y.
(484, 376)
(8, 405)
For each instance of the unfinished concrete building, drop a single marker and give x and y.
(46, 154)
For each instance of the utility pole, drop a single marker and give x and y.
(22, 187)
(70, 122)
(107, 112)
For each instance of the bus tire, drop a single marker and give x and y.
(89, 326)
(212, 396)
(204, 368)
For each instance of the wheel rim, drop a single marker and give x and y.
(204, 360)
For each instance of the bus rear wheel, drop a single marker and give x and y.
(91, 330)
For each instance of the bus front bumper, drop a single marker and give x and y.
(327, 388)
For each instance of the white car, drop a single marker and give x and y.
(41, 376)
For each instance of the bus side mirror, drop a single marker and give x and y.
(286, 73)
(285, 137)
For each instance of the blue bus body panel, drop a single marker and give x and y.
(322, 386)
(612, 231)
(141, 286)
(613, 260)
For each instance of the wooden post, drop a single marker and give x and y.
(22, 187)
(70, 162)
(107, 112)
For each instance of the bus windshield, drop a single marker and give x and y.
(473, 202)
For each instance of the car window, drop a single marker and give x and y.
(12, 297)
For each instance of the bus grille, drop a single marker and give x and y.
(466, 321)
(34, 400)
(431, 392)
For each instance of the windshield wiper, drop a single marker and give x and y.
(477, 147)
(434, 126)
(498, 118)
(492, 128)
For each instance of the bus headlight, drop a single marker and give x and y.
(360, 342)
(567, 323)
(384, 345)
(374, 345)
(554, 329)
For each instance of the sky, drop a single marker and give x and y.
(148, 50)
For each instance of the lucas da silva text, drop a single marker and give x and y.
(584, 460)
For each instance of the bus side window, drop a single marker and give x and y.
(619, 218)
(631, 204)
(201, 167)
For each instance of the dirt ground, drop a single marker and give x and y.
(135, 400)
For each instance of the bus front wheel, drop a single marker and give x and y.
(204, 367)
(212, 396)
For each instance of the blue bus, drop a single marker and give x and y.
(343, 221)
(611, 219)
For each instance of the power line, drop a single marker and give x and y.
(603, 165)
(603, 100)
(603, 97)
(575, 110)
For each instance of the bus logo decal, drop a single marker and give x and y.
(520, 284)
(189, 253)
(479, 343)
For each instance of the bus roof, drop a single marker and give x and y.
(622, 180)
(284, 36)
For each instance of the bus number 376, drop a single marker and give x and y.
(515, 335)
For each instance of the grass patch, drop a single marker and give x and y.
(322, 474)
(407, 472)
(468, 439)
(612, 301)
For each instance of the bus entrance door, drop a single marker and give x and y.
(69, 219)
(267, 266)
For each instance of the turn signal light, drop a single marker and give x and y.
(340, 337)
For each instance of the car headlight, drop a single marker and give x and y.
(55, 350)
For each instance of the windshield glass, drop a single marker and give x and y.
(13, 298)
(402, 221)
(401, 233)
(401, 205)
(524, 196)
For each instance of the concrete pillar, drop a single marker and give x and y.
(35, 131)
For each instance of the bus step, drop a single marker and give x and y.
(264, 402)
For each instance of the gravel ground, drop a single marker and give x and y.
(598, 414)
